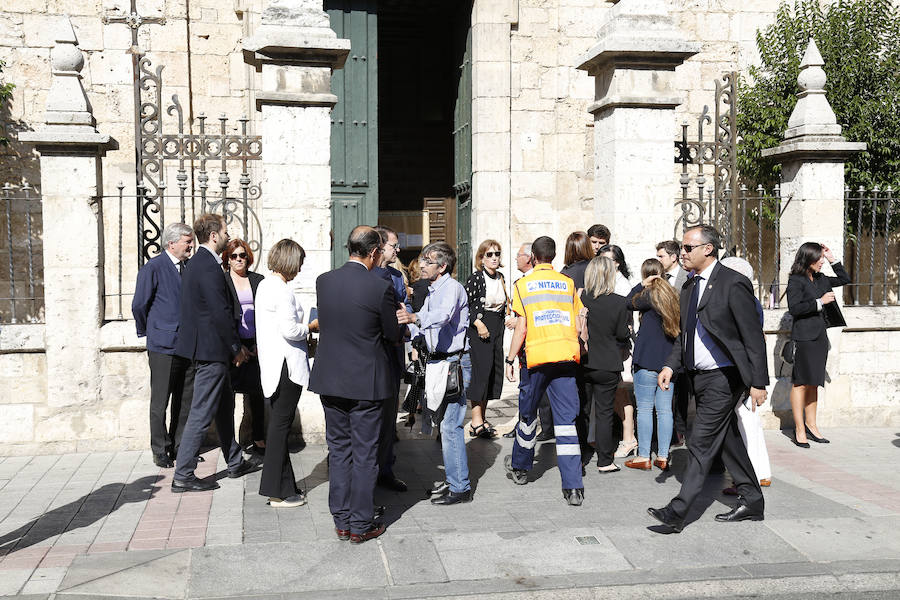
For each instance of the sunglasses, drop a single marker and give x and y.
(690, 248)
(492, 254)
(238, 255)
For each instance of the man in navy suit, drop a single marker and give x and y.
(156, 307)
(353, 375)
(208, 336)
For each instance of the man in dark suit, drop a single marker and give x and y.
(156, 307)
(723, 352)
(353, 375)
(208, 336)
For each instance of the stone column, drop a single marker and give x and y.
(71, 149)
(633, 65)
(295, 51)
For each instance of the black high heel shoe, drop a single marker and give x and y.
(813, 437)
(800, 444)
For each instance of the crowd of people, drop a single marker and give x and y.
(607, 368)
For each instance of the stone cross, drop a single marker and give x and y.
(134, 20)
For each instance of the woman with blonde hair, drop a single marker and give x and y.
(658, 304)
(607, 324)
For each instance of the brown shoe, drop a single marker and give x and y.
(765, 482)
(374, 532)
(642, 464)
(343, 534)
(662, 464)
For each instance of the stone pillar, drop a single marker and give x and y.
(71, 149)
(812, 190)
(633, 65)
(812, 167)
(295, 51)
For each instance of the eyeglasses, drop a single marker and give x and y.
(238, 255)
(690, 247)
(492, 254)
(394, 246)
(427, 261)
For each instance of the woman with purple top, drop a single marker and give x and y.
(237, 259)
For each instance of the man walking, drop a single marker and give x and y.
(156, 308)
(546, 305)
(352, 374)
(723, 352)
(208, 336)
(442, 323)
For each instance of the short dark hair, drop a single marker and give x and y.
(384, 232)
(710, 235)
(543, 249)
(362, 240)
(443, 255)
(601, 232)
(807, 254)
(671, 247)
(206, 224)
(578, 247)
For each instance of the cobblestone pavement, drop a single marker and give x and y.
(107, 525)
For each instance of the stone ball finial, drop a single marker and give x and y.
(66, 57)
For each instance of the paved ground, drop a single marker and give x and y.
(107, 525)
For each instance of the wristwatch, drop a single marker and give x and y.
(509, 362)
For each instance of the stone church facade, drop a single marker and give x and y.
(518, 117)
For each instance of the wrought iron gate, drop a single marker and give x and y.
(713, 201)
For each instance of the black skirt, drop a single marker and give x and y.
(487, 359)
(809, 361)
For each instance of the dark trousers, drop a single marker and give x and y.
(351, 430)
(173, 376)
(388, 433)
(212, 400)
(582, 421)
(277, 479)
(680, 402)
(545, 414)
(715, 430)
(601, 387)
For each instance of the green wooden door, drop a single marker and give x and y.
(462, 158)
(354, 123)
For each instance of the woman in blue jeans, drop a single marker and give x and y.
(656, 301)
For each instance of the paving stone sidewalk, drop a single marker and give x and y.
(107, 525)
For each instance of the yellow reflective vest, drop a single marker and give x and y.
(547, 300)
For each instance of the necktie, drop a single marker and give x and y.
(690, 328)
(668, 276)
(181, 267)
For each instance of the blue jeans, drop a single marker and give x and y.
(649, 396)
(453, 439)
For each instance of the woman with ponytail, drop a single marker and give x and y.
(656, 301)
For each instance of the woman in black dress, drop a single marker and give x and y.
(486, 290)
(810, 296)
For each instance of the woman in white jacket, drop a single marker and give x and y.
(283, 368)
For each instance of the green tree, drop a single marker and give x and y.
(5, 93)
(860, 43)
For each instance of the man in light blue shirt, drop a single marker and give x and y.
(442, 323)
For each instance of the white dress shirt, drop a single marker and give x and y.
(280, 335)
(707, 354)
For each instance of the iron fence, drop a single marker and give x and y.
(21, 248)
(757, 239)
(872, 246)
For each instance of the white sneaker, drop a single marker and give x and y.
(289, 502)
(625, 449)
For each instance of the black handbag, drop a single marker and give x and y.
(831, 312)
(788, 351)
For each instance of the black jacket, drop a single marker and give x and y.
(607, 322)
(652, 346)
(255, 278)
(802, 294)
(207, 325)
(475, 291)
(728, 312)
(357, 320)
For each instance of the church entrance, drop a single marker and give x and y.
(401, 131)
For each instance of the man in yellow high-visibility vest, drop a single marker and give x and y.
(546, 306)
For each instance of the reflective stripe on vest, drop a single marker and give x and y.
(548, 299)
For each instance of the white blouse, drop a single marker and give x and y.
(280, 335)
(494, 294)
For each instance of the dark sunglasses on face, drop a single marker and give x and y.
(238, 255)
(690, 248)
(492, 254)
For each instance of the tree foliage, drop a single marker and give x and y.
(6, 90)
(860, 43)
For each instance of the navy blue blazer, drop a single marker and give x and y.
(653, 346)
(157, 304)
(208, 328)
(357, 323)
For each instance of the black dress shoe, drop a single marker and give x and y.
(374, 532)
(668, 518)
(574, 496)
(815, 438)
(379, 511)
(510, 434)
(391, 483)
(163, 461)
(453, 498)
(741, 512)
(545, 436)
(800, 444)
(193, 484)
(439, 490)
(242, 469)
